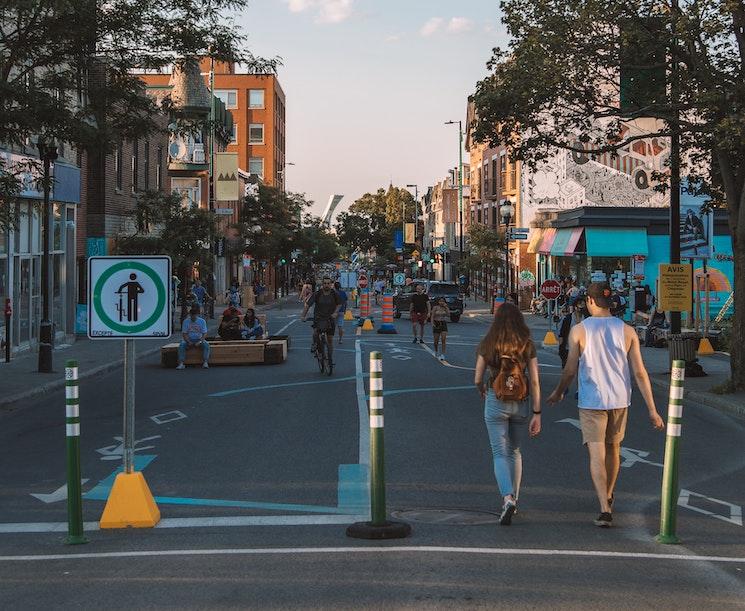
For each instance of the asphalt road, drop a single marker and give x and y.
(256, 472)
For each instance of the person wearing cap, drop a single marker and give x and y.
(194, 335)
(601, 348)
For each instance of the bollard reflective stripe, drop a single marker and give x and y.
(75, 534)
(670, 486)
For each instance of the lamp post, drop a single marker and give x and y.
(507, 212)
(48, 154)
(460, 188)
(416, 206)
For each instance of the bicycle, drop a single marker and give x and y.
(321, 347)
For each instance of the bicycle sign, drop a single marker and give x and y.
(129, 297)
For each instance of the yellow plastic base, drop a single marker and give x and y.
(367, 325)
(550, 339)
(348, 315)
(705, 347)
(130, 503)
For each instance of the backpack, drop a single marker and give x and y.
(510, 384)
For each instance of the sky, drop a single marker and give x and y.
(369, 85)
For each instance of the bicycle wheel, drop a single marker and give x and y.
(329, 363)
(321, 354)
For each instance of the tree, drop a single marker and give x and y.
(164, 226)
(559, 84)
(317, 243)
(486, 246)
(66, 68)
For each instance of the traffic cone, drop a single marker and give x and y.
(704, 347)
(348, 315)
(367, 325)
(550, 339)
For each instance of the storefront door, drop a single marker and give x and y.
(27, 299)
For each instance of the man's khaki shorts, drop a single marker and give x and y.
(603, 425)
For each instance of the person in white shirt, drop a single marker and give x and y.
(600, 350)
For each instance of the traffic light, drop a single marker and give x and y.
(432, 259)
(282, 261)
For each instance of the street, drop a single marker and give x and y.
(256, 471)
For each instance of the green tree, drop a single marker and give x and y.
(558, 84)
(317, 243)
(486, 248)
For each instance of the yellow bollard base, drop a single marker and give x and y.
(348, 315)
(705, 347)
(550, 339)
(130, 504)
(367, 325)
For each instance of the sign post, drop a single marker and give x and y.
(129, 298)
(550, 289)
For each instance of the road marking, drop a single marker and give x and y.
(58, 495)
(403, 391)
(735, 511)
(116, 452)
(237, 391)
(445, 363)
(166, 417)
(292, 322)
(364, 455)
(408, 549)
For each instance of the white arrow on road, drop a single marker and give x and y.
(58, 495)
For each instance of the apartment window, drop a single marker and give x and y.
(494, 177)
(146, 163)
(135, 165)
(494, 216)
(256, 166)
(118, 159)
(159, 169)
(234, 134)
(256, 98)
(513, 175)
(229, 97)
(189, 190)
(503, 171)
(256, 133)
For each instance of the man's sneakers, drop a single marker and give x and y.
(181, 366)
(508, 510)
(205, 365)
(604, 520)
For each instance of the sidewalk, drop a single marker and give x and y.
(697, 390)
(21, 380)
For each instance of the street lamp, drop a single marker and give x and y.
(48, 154)
(416, 206)
(460, 187)
(507, 212)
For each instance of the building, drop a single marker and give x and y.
(257, 105)
(21, 250)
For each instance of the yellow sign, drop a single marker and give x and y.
(415, 254)
(676, 287)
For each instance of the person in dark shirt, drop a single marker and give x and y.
(326, 304)
(419, 312)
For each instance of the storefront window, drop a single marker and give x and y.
(57, 228)
(58, 271)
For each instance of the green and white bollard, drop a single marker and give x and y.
(379, 527)
(75, 534)
(670, 486)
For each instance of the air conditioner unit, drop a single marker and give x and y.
(198, 154)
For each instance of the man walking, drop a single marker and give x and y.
(419, 312)
(600, 350)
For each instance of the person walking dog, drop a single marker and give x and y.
(507, 357)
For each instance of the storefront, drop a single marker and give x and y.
(21, 253)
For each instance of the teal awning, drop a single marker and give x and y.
(608, 242)
(561, 241)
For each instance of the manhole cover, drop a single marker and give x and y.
(447, 516)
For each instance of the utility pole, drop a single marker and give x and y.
(48, 154)
(460, 188)
(674, 157)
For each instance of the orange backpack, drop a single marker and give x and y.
(510, 384)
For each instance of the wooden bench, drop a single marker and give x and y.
(272, 351)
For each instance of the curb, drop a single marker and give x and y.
(56, 384)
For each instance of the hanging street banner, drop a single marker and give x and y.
(129, 297)
(409, 237)
(676, 287)
(225, 175)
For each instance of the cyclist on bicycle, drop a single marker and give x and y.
(327, 303)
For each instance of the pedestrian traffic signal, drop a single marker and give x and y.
(282, 261)
(431, 259)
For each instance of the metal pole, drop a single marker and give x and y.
(460, 191)
(8, 313)
(72, 426)
(45, 327)
(377, 442)
(674, 159)
(129, 405)
(670, 487)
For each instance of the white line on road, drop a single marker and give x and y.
(364, 452)
(285, 327)
(409, 549)
(445, 363)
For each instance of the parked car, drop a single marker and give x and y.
(434, 290)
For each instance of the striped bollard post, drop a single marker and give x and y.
(364, 306)
(75, 534)
(379, 527)
(670, 486)
(387, 325)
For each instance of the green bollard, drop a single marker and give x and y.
(379, 527)
(75, 534)
(670, 486)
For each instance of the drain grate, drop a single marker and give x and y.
(465, 517)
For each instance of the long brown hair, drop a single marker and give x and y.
(508, 335)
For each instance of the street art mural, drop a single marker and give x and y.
(625, 178)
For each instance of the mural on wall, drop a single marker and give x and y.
(572, 179)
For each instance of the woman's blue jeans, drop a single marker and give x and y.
(505, 423)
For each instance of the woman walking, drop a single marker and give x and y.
(440, 316)
(504, 356)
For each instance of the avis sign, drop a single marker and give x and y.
(129, 297)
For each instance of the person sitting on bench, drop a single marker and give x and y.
(253, 328)
(230, 324)
(194, 334)
(656, 321)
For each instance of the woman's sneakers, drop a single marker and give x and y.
(508, 510)
(604, 520)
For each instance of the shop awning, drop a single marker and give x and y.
(607, 242)
(548, 239)
(535, 240)
(574, 241)
(561, 241)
